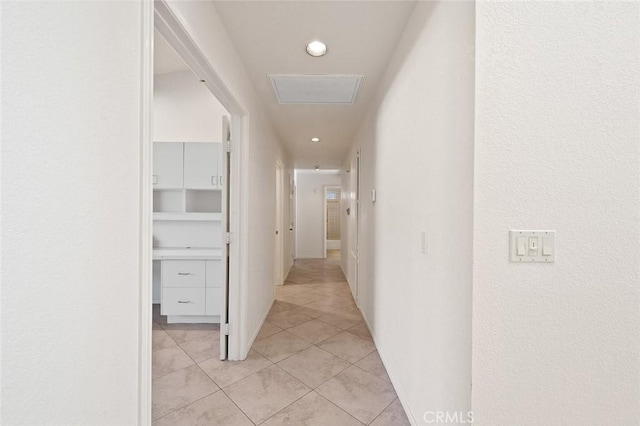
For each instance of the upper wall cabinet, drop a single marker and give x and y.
(167, 165)
(201, 166)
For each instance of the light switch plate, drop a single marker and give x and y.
(532, 246)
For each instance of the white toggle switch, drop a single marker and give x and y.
(532, 246)
(547, 246)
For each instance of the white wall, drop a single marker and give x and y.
(261, 153)
(557, 147)
(70, 188)
(310, 211)
(417, 152)
(184, 109)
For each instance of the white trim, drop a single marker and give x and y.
(239, 260)
(145, 257)
(264, 318)
(400, 393)
(279, 238)
(176, 31)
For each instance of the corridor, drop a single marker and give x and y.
(313, 363)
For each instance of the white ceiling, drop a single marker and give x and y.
(165, 59)
(270, 38)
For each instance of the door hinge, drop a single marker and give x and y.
(226, 329)
(227, 146)
(228, 237)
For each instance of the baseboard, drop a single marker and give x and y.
(255, 333)
(401, 394)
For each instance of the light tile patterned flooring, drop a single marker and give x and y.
(313, 363)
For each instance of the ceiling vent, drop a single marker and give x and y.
(316, 89)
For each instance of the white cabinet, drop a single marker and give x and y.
(191, 288)
(168, 165)
(214, 273)
(213, 300)
(214, 279)
(201, 166)
(183, 301)
(187, 205)
(183, 273)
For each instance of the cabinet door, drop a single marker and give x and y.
(167, 164)
(213, 302)
(214, 273)
(183, 301)
(183, 273)
(200, 166)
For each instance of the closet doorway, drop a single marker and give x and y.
(332, 203)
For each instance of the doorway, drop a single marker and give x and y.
(278, 265)
(332, 225)
(354, 229)
(231, 184)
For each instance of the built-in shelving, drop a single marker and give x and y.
(187, 229)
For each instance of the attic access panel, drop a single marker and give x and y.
(315, 89)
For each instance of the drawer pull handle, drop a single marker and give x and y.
(185, 301)
(184, 273)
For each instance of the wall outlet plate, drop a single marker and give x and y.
(527, 246)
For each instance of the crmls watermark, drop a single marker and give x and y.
(451, 417)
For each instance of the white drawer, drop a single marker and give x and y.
(214, 299)
(183, 301)
(214, 273)
(183, 273)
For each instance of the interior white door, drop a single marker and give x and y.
(356, 228)
(224, 289)
(201, 166)
(167, 165)
(278, 258)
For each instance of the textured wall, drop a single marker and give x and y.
(70, 198)
(417, 152)
(557, 148)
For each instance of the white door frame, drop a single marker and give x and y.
(279, 225)
(159, 15)
(355, 250)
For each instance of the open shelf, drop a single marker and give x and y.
(168, 200)
(203, 201)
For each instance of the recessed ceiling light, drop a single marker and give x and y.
(315, 139)
(316, 48)
(317, 168)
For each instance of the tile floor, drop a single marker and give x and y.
(313, 363)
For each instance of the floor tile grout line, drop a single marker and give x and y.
(350, 364)
(293, 402)
(340, 408)
(284, 408)
(334, 299)
(234, 403)
(185, 406)
(385, 409)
